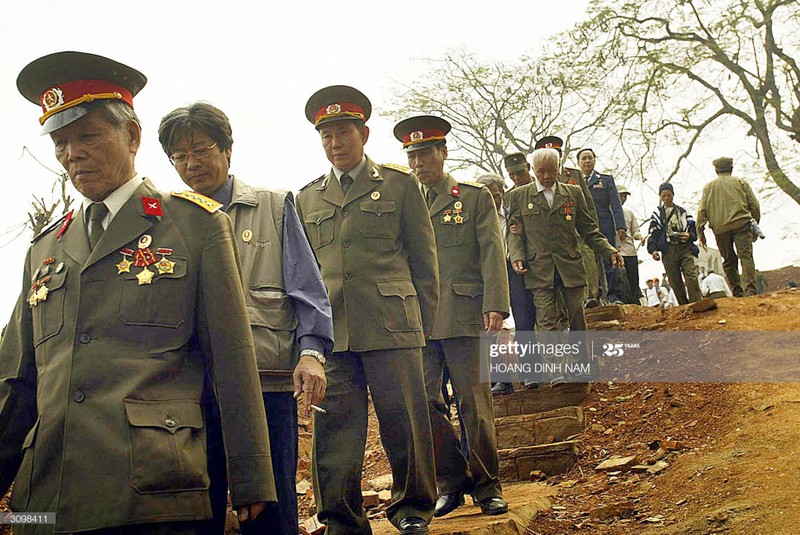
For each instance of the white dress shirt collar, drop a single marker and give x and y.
(115, 200)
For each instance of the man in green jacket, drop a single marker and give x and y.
(728, 205)
(127, 307)
(473, 299)
(554, 217)
(290, 314)
(369, 228)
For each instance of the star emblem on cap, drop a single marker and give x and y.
(416, 135)
(333, 108)
(52, 98)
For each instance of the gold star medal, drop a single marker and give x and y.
(569, 217)
(39, 295)
(125, 265)
(145, 277)
(458, 219)
(165, 265)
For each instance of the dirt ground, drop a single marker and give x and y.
(733, 465)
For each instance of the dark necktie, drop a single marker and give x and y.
(430, 197)
(97, 212)
(346, 181)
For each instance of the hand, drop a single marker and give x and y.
(492, 322)
(515, 227)
(519, 268)
(656, 255)
(250, 512)
(621, 233)
(702, 237)
(683, 236)
(616, 260)
(309, 380)
(641, 242)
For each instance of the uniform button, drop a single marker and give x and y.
(78, 396)
(169, 422)
(346, 213)
(84, 338)
(348, 276)
(346, 244)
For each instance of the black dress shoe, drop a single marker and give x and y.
(412, 525)
(502, 388)
(447, 503)
(494, 506)
(591, 303)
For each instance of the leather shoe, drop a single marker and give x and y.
(447, 503)
(412, 525)
(502, 388)
(530, 385)
(591, 302)
(494, 506)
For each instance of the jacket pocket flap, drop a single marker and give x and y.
(271, 309)
(468, 289)
(397, 288)
(168, 415)
(378, 207)
(319, 216)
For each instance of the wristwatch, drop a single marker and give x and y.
(313, 353)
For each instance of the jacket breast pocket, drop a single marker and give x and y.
(48, 314)
(319, 226)
(469, 303)
(23, 481)
(379, 219)
(453, 233)
(273, 321)
(400, 306)
(161, 303)
(167, 445)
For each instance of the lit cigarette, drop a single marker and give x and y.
(319, 409)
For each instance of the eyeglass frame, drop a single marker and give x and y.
(198, 154)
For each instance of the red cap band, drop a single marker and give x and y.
(418, 136)
(69, 94)
(338, 109)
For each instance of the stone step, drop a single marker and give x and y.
(516, 464)
(604, 313)
(540, 399)
(540, 428)
(525, 501)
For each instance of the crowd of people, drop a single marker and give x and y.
(152, 367)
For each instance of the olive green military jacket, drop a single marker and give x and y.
(472, 264)
(550, 238)
(576, 178)
(101, 374)
(377, 256)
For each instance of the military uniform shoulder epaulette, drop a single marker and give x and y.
(209, 205)
(569, 171)
(312, 182)
(470, 183)
(51, 226)
(397, 167)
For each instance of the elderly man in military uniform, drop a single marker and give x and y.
(728, 205)
(290, 315)
(473, 298)
(610, 217)
(555, 216)
(368, 226)
(573, 176)
(127, 306)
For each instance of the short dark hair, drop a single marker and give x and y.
(201, 115)
(587, 149)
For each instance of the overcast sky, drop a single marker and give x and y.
(259, 66)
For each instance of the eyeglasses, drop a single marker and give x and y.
(182, 158)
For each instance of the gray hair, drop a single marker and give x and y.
(492, 179)
(544, 157)
(117, 112)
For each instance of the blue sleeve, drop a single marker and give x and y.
(304, 285)
(615, 204)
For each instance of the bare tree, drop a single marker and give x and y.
(691, 66)
(43, 209)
